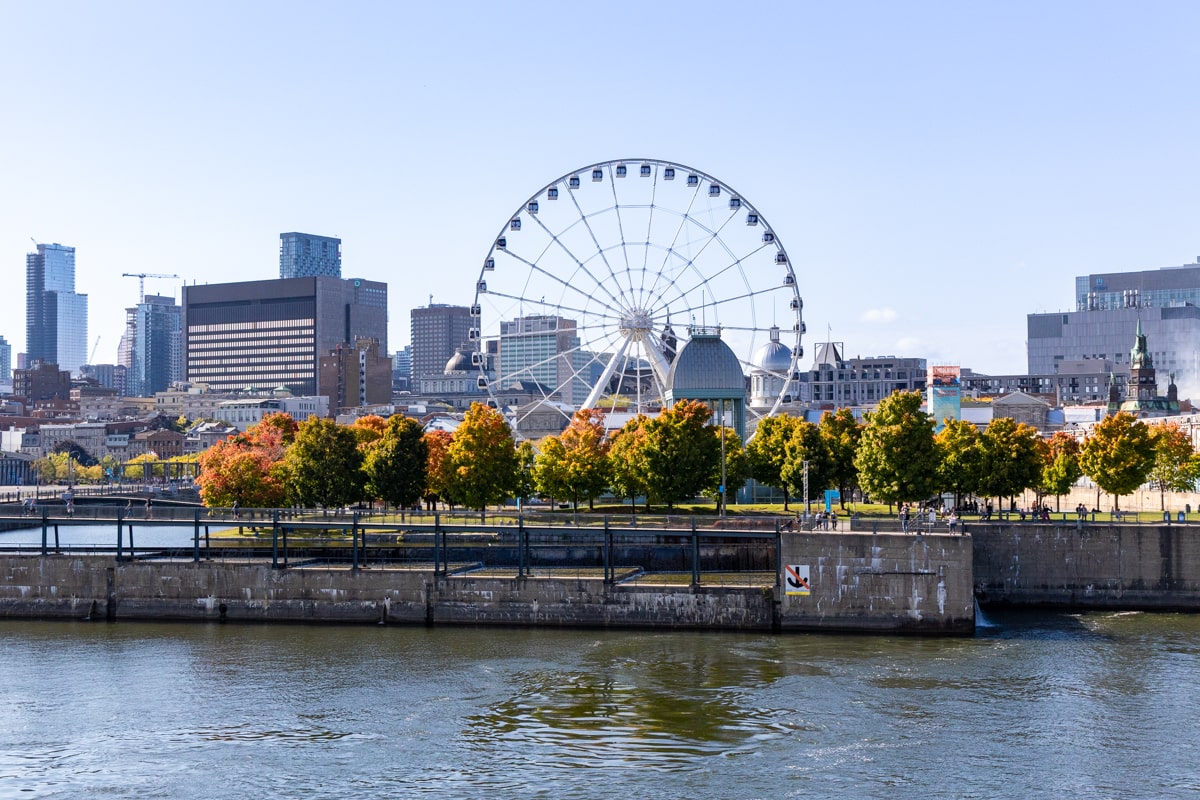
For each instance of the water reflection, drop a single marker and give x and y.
(1084, 705)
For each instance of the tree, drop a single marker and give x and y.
(806, 446)
(369, 429)
(246, 468)
(323, 467)
(1060, 469)
(841, 433)
(897, 459)
(525, 486)
(625, 464)
(680, 452)
(439, 482)
(483, 458)
(395, 463)
(1011, 458)
(767, 452)
(575, 465)
(1118, 455)
(232, 473)
(1174, 460)
(737, 468)
(961, 459)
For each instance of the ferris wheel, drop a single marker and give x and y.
(598, 279)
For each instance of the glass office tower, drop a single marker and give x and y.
(55, 316)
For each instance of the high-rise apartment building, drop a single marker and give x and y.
(5, 361)
(544, 350)
(156, 351)
(303, 255)
(55, 316)
(438, 330)
(268, 334)
(1108, 309)
(355, 375)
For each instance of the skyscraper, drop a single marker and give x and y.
(156, 352)
(55, 316)
(303, 255)
(5, 361)
(438, 330)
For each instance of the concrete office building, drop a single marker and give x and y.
(438, 331)
(270, 334)
(55, 315)
(303, 255)
(544, 350)
(1108, 309)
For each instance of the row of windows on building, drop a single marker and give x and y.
(263, 325)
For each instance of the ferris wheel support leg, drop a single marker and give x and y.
(597, 390)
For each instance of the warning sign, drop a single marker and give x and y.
(795, 579)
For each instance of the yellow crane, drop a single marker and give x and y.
(141, 276)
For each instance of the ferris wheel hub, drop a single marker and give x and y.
(637, 321)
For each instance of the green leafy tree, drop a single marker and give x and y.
(1011, 458)
(483, 458)
(737, 468)
(323, 467)
(680, 452)
(1118, 455)
(525, 484)
(1060, 468)
(369, 430)
(807, 446)
(1175, 464)
(550, 469)
(625, 463)
(395, 462)
(961, 464)
(766, 452)
(841, 433)
(897, 458)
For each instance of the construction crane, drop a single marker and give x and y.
(141, 276)
(92, 357)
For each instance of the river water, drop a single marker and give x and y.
(1089, 706)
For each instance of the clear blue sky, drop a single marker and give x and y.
(936, 171)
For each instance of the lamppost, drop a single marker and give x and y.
(721, 494)
(807, 502)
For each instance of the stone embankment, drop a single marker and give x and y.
(827, 581)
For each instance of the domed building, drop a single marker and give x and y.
(770, 372)
(706, 370)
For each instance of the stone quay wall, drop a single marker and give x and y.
(882, 583)
(866, 583)
(1088, 566)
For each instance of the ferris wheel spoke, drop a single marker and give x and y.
(591, 232)
(571, 255)
(649, 232)
(683, 222)
(582, 291)
(715, 303)
(523, 300)
(620, 230)
(737, 263)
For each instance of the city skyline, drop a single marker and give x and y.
(936, 173)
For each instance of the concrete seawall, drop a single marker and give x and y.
(886, 583)
(1150, 567)
(883, 583)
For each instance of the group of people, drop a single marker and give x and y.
(927, 517)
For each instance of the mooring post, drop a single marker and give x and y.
(521, 546)
(609, 577)
(437, 552)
